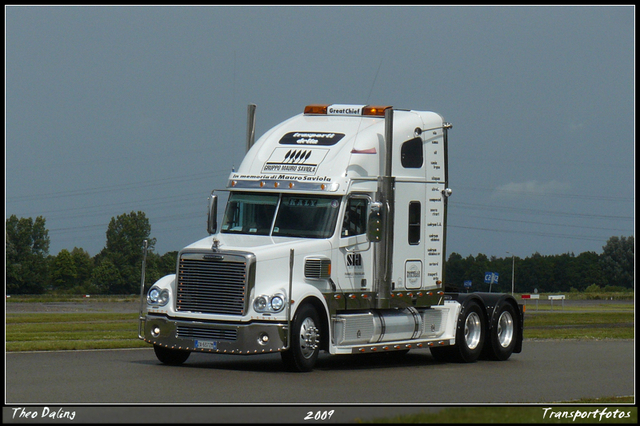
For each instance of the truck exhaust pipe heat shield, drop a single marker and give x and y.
(384, 250)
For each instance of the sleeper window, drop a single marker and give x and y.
(411, 154)
(414, 222)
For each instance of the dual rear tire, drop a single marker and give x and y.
(475, 338)
(503, 333)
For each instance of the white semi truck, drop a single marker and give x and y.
(333, 238)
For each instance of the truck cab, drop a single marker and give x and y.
(332, 238)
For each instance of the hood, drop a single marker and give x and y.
(263, 247)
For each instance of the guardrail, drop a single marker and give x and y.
(553, 297)
(536, 297)
(525, 297)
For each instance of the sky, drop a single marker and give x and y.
(114, 109)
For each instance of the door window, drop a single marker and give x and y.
(355, 217)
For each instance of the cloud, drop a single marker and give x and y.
(530, 188)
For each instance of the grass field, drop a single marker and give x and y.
(71, 331)
(37, 331)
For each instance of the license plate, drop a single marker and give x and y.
(206, 344)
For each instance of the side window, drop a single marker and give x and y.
(355, 217)
(414, 222)
(411, 154)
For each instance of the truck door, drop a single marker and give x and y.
(409, 247)
(354, 263)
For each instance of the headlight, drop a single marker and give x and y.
(157, 297)
(260, 304)
(276, 303)
(164, 298)
(266, 303)
(153, 296)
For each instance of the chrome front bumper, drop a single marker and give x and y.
(214, 337)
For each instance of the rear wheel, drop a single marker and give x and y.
(470, 336)
(305, 340)
(503, 333)
(171, 356)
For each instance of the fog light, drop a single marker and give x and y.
(263, 339)
(155, 331)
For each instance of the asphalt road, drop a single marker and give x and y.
(547, 371)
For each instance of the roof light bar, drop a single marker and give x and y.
(341, 109)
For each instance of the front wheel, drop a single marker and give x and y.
(305, 340)
(503, 333)
(171, 356)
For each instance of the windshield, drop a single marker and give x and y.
(305, 216)
(249, 213)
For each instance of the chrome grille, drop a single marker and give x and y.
(194, 332)
(211, 284)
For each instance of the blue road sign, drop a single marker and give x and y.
(491, 277)
(467, 283)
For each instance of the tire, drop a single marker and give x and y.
(503, 333)
(171, 356)
(305, 340)
(470, 336)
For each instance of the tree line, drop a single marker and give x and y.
(116, 269)
(611, 270)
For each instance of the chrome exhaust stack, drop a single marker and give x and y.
(384, 250)
(251, 125)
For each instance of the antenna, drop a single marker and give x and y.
(374, 82)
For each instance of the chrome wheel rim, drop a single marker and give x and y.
(472, 330)
(505, 329)
(309, 338)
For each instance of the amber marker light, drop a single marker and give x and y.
(377, 111)
(315, 109)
